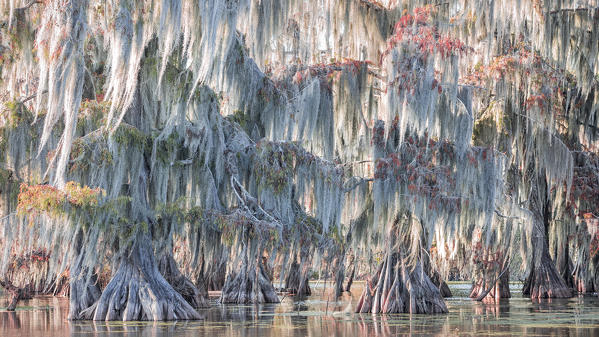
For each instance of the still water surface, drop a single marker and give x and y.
(315, 316)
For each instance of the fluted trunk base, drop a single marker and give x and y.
(399, 289)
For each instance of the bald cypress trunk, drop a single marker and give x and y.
(441, 284)
(195, 294)
(212, 275)
(83, 292)
(397, 288)
(340, 276)
(296, 282)
(498, 290)
(15, 294)
(544, 280)
(137, 291)
(350, 279)
(247, 280)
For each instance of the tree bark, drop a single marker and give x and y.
(293, 281)
(197, 296)
(441, 284)
(584, 273)
(340, 276)
(83, 292)
(137, 291)
(247, 282)
(489, 290)
(82, 295)
(16, 294)
(544, 281)
(350, 280)
(213, 274)
(491, 276)
(399, 289)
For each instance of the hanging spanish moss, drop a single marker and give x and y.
(151, 151)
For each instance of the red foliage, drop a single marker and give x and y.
(415, 29)
(48, 199)
(378, 134)
(420, 167)
(530, 72)
(327, 72)
(485, 257)
(539, 101)
(40, 198)
(420, 39)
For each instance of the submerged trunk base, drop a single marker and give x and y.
(135, 295)
(197, 296)
(82, 295)
(441, 284)
(400, 290)
(249, 285)
(16, 294)
(501, 289)
(544, 281)
(294, 284)
(137, 292)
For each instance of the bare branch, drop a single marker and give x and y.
(486, 292)
(355, 182)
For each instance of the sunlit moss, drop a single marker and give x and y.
(92, 115)
(130, 136)
(273, 167)
(240, 118)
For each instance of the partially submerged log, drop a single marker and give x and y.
(400, 289)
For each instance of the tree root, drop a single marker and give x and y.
(248, 282)
(137, 291)
(492, 290)
(82, 295)
(544, 281)
(248, 286)
(293, 282)
(441, 284)
(399, 290)
(197, 296)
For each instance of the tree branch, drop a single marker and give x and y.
(486, 292)
(31, 3)
(355, 182)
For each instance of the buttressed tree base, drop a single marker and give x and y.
(151, 151)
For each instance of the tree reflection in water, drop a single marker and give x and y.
(318, 315)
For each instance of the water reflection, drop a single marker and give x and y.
(318, 315)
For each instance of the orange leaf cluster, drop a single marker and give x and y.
(36, 199)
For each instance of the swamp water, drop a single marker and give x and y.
(315, 316)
